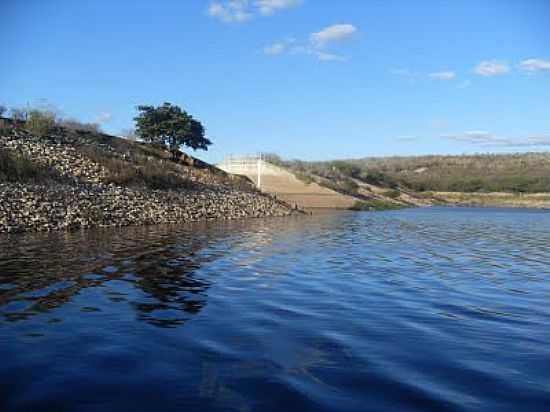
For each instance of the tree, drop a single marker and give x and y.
(171, 126)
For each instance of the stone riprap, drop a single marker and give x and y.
(83, 200)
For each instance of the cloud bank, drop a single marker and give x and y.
(487, 139)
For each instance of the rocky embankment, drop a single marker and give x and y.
(81, 198)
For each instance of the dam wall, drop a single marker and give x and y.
(284, 185)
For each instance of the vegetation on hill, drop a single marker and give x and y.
(375, 205)
(528, 172)
(18, 168)
(153, 162)
(516, 173)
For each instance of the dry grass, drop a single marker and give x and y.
(16, 167)
(138, 171)
(502, 199)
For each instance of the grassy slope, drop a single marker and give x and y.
(487, 180)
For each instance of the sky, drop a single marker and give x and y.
(307, 79)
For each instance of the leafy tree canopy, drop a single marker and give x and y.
(171, 126)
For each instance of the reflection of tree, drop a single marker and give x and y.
(42, 272)
(171, 282)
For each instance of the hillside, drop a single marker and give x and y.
(69, 179)
(527, 172)
(310, 190)
(516, 180)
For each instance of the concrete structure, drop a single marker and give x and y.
(285, 185)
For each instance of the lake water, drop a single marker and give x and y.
(416, 310)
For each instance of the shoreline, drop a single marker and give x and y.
(39, 208)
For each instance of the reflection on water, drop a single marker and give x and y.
(439, 309)
(154, 270)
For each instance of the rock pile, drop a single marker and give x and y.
(64, 158)
(85, 201)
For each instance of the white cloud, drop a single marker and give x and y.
(303, 50)
(275, 49)
(268, 7)
(278, 48)
(535, 65)
(491, 68)
(317, 43)
(478, 135)
(487, 139)
(238, 11)
(330, 34)
(103, 117)
(531, 141)
(230, 11)
(448, 75)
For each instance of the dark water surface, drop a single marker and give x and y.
(415, 310)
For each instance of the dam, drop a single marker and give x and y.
(284, 184)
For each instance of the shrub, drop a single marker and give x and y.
(137, 172)
(392, 194)
(75, 125)
(15, 167)
(375, 205)
(4, 126)
(40, 123)
(349, 186)
(303, 177)
(19, 115)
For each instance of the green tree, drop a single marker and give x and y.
(171, 126)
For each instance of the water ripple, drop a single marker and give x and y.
(414, 310)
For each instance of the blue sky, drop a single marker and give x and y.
(309, 79)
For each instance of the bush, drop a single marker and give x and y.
(4, 126)
(138, 172)
(375, 205)
(392, 194)
(40, 123)
(303, 177)
(15, 167)
(348, 186)
(75, 125)
(19, 115)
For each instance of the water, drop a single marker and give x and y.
(414, 310)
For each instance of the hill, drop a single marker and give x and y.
(307, 189)
(69, 179)
(486, 180)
